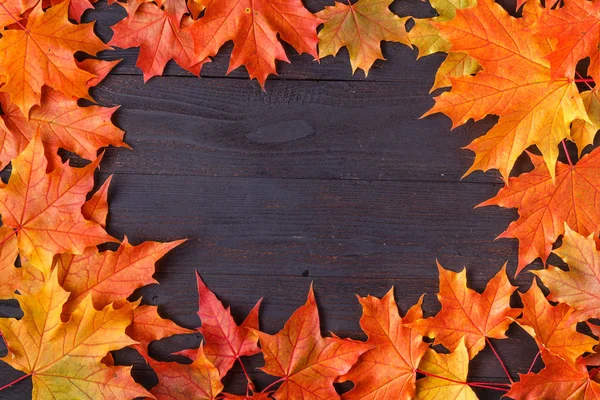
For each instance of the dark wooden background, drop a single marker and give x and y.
(325, 177)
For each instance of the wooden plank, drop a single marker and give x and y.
(306, 130)
(265, 226)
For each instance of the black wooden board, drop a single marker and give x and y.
(326, 178)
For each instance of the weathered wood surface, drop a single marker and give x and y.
(325, 177)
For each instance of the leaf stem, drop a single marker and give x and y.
(567, 152)
(586, 80)
(14, 382)
(273, 384)
(489, 342)
(250, 384)
(533, 363)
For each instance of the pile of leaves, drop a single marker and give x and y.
(534, 68)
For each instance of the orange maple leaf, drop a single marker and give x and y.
(42, 54)
(388, 369)
(159, 35)
(9, 251)
(62, 123)
(307, 363)
(225, 341)
(552, 326)
(99, 68)
(199, 380)
(544, 207)
(515, 83)
(96, 208)
(45, 209)
(109, 276)
(447, 375)
(254, 26)
(576, 28)
(559, 380)
(578, 287)
(64, 358)
(361, 27)
(148, 326)
(468, 314)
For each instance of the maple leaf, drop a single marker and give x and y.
(42, 54)
(552, 326)
(254, 27)
(578, 287)
(9, 251)
(468, 314)
(225, 341)
(159, 37)
(62, 123)
(76, 7)
(45, 209)
(307, 363)
(148, 326)
(576, 28)
(199, 380)
(558, 380)
(515, 83)
(450, 378)
(388, 369)
(426, 37)
(361, 27)
(96, 208)
(544, 207)
(63, 358)
(109, 276)
(99, 68)
(455, 65)
(584, 132)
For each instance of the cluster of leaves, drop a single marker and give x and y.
(76, 298)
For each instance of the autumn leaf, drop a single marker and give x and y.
(159, 37)
(96, 208)
(63, 124)
(558, 380)
(148, 326)
(76, 7)
(447, 375)
(576, 28)
(578, 287)
(45, 209)
(42, 54)
(99, 68)
(468, 314)
(552, 326)
(584, 132)
(109, 276)
(544, 207)
(9, 251)
(255, 27)
(426, 37)
(63, 358)
(360, 27)
(225, 341)
(199, 380)
(515, 83)
(388, 370)
(307, 363)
